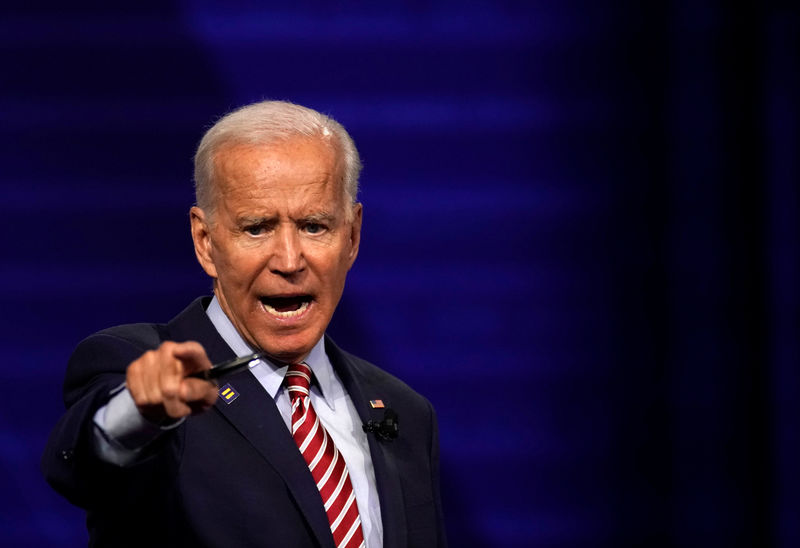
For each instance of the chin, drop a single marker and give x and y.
(289, 351)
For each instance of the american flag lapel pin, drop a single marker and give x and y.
(376, 404)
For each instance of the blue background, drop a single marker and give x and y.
(581, 239)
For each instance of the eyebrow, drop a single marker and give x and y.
(322, 216)
(247, 220)
(318, 217)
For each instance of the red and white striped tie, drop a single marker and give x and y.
(324, 460)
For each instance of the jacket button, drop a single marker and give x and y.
(66, 454)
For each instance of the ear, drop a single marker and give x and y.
(355, 233)
(201, 235)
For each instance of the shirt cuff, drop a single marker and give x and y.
(121, 432)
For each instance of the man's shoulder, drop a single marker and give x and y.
(112, 349)
(377, 377)
(146, 336)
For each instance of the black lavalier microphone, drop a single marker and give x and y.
(385, 430)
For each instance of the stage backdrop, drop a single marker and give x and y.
(580, 239)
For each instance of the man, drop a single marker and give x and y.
(276, 455)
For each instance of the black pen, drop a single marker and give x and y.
(228, 367)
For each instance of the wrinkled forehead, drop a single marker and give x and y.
(242, 167)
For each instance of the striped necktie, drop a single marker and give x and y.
(324, 460)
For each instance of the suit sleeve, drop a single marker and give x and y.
(69, 463)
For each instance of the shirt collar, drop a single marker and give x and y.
(270, 374)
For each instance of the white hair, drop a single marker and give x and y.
(263, 123)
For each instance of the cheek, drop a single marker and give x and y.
(236, 266)
(337, 274)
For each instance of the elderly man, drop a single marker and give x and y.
(275, 454)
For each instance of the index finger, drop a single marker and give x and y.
(192, 355)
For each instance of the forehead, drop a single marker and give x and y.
(295, 168)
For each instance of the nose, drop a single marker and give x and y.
(286, 258)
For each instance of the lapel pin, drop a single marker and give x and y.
(376, 404)
(228, 394)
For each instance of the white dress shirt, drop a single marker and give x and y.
(121, 431)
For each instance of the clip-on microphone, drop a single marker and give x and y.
(385, 430)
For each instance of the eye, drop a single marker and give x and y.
(254, 230)
(315, 228)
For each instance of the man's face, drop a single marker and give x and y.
(279, 243)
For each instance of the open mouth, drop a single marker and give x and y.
(286, 307)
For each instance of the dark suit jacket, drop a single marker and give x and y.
(232, 476)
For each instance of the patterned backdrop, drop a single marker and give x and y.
(581, 239)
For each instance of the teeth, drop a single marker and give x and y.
(288, 313)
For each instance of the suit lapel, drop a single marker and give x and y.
(362, 389)
(193, 325)
(256, 417)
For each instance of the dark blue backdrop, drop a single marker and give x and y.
(581, 239)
